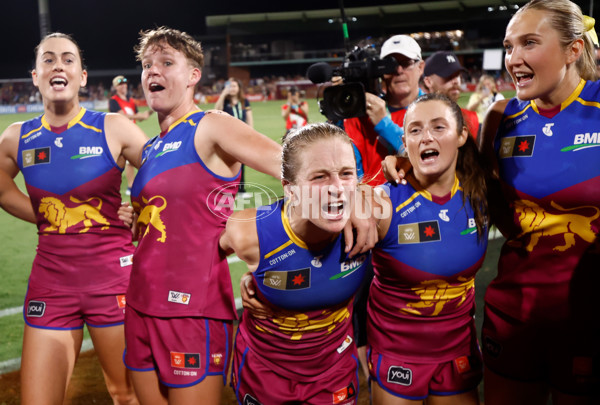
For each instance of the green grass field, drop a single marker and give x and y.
(18, 239)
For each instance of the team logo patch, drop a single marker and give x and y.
(517, 146)
(36, 309)
(419, 232)
(462, 364)
(179, 297)
(250, 400)
(126, 260)
(36, 156)
(185, 360)
(288, 280)
(217, 358)
(491, 347)
(344, 394)
(121, 302)
(345, 344)
(399, 375)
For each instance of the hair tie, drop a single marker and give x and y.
(588, 25)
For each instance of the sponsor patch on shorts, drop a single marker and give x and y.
(185, 360)
(462, 364)
(126, 261)
(36, 309)
(399, 375)
(179, 297)
(344, 394)
(491, 347)
(121, 302)
(250, 400)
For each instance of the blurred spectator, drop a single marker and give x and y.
(295, 111)
(442, 74)
(485, 94)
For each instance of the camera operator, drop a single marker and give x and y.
(379, 133)
(295, 111)
(443, 74)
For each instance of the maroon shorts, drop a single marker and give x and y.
(416, 381)
(182, 350)
(564, 355)
(255, 383)
(47, 308)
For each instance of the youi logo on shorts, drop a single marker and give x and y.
(399, 375)
(169, 147)
(250, 400)
(179, 297)
(88, 152)
(583, 141)
(36, 309)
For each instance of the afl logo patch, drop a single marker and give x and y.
(36, 309)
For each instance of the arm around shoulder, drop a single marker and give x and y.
(240, 237)
(491, 123)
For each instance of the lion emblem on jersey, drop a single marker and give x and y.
(62, 217)
(437, 293)
(296, 325)
(150, 215)
(537, 223)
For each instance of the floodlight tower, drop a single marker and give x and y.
(44, 16)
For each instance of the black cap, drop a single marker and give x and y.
(442, 63)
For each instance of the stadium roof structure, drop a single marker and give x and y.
(415, 14)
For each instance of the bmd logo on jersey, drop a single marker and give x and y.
(169, 147)
(36, 309)
(348, 267)
(36, 156)
(399, 375)
(471, 229)
(88, 152)
(584, 141)
(517, 146)
(419, 232)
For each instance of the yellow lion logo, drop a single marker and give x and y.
(62, 217)
(437, 293)
(296, 325)
(537, 222)
(150, 215)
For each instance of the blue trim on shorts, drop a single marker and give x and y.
(357, 379)
(445, 394)
(50, 327)
(133, 368)
(226, 353)
(105, 326)
(389, 391)
(239, 381)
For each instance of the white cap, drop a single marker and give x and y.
(402, 44)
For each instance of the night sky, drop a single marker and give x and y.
(107, 30)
